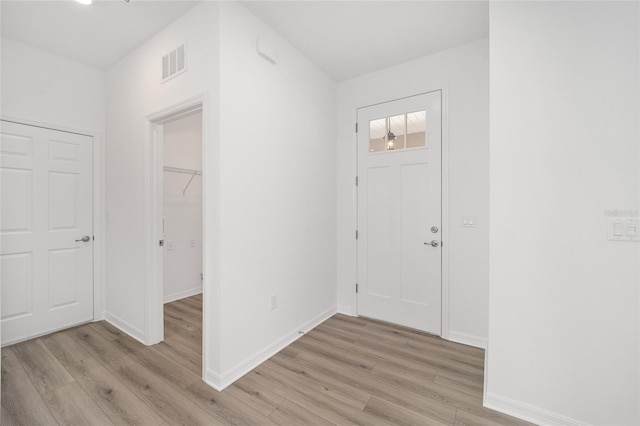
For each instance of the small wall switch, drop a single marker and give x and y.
(274, 301)
(623, 229)
(469, 221)
(618, 229)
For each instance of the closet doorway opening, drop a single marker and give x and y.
(182, 272)
(179, 248)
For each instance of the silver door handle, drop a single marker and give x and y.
(84, 239)
(433, 243)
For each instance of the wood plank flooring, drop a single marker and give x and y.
(346, 371)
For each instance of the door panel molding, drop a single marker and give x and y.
(99, 202)
(84, 300)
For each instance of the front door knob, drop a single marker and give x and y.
(433, 243)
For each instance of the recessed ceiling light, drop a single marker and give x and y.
(84, 1)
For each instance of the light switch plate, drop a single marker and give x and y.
(623, 229)
(468, 221)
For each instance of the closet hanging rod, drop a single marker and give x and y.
(191, 172)
(181, 170)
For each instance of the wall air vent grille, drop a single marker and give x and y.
(174, 63)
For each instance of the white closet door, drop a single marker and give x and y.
(46, 230)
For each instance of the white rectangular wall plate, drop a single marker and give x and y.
(468, 221)
(623, 229)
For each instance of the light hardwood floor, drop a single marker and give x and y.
(346, 371)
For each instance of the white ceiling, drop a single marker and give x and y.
(98, 35)
(352, 38)
(345, 38)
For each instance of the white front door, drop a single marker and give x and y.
(399, 212)
(46, 230)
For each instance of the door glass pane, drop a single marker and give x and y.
(376, 135)
(416, 129)
(398, 132)
(395, 133)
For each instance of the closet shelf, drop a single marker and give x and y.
(191, 172)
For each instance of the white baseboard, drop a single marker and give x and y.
(125, 327)
(213, 379)
(527, 412)
(346, 310)
(468, 339)
(221, 381)
(182, 294)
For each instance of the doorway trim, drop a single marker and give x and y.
(154, 326)
(98, 201)
(444, 89)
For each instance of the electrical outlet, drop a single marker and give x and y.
(274, 301)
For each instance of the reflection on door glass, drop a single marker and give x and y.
(398, 132)
(416, 129)
(376, 134)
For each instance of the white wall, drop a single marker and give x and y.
(271, 128)
(182, 210)
(277, 174)
(563, 329)
(464, 73)
(183, 142)
(134, 91)
(39, 86)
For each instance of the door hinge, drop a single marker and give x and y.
(356, 234)
(356, 180)
(356, 287)
(356, 127)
